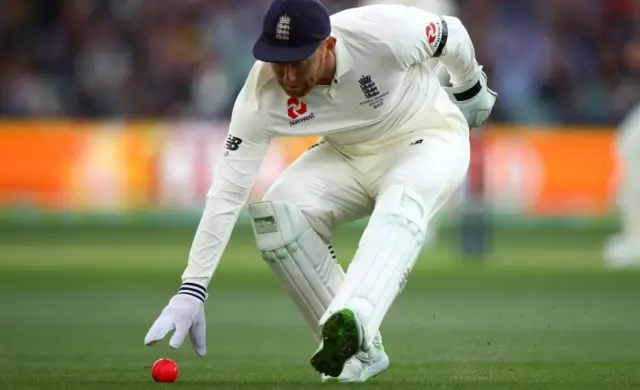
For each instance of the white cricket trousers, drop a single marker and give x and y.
(332, 187)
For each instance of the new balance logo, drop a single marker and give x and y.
(232, 143)
(368, 87)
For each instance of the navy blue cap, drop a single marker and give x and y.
(292, 31)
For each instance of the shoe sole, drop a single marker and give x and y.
(372, 371)
(340, 342)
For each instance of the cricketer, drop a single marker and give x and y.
(623, 250)
(394, 147)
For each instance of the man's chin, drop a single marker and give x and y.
(296, 93)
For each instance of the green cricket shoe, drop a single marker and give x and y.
(363, 365)
(342, 337)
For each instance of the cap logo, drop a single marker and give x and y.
(283, 27)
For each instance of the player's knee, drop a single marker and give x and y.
(278, 224)
(281, 193)
(402, 206)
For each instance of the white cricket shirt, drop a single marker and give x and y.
(383, 88)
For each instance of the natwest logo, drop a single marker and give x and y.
(432, 33)
(296, 110)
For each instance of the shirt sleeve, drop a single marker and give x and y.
(234, 177)
(419, 35)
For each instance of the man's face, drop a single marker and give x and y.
(298, 78)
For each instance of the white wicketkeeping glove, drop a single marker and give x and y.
(184, 314)
(474, 98)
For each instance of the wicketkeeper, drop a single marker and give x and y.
(394, 146)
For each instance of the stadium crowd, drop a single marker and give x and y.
(570, 61)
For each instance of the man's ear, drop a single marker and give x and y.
(331, 43)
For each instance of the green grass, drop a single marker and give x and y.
(542, 313)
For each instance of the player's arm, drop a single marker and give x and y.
(234, 177)
(425, 35)
(418, 36)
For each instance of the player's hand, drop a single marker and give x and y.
(474, 98)
(184, 314)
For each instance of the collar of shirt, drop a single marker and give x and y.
(343, 59)
(343, 64)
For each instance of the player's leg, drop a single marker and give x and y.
(293, 225)
(623, 250)
(418, 185)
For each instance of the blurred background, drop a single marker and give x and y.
(569, 62)
(131, 88)
(112, 115)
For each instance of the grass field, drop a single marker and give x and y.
(541, 313)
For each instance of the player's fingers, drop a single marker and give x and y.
(158, 330)
(198, 335)
(182, 328)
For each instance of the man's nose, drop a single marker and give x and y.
(290, 75)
